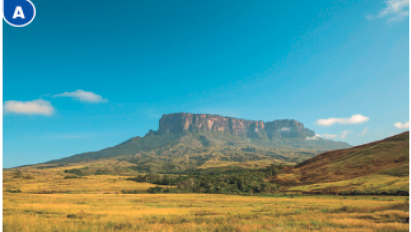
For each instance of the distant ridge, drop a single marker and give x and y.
(186, 141)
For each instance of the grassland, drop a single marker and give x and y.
(93, 195)
(373, 184)
(380, 167)
(46, 200)
(201, 212)
(56, 181)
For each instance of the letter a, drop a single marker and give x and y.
(18, 13)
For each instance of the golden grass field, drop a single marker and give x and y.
(53, 181)
(48, 202)
(201, 212)
(371, 183)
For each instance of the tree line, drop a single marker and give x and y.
(250, 181)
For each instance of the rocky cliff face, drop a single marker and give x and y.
(186, 122)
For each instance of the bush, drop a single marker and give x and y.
(130, 191)
(157, 189)
(71, 177)
(13, 190)
(28, 177)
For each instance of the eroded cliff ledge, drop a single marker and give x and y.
(187, 122)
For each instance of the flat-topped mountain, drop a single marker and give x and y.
(186, 122)
(187, 141)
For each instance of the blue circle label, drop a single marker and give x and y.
(19, 13)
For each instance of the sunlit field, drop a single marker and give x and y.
(53, 200)
(55, 181)
(202, 212)
(366, 184)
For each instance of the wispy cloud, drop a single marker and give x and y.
(395, 10)
(330, 136)
(35, 107)
(315, 137)
(333, 136)
(364, 132)
(83, 96)
(355, 119)
(401, 125)
(345, 133)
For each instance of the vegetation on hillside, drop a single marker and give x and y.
(178, 153)
(84, 197)
(246, 182)
(381, 167)
(49, 181)
(366, 185)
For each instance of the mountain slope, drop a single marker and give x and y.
(353, 168)
(191, 141)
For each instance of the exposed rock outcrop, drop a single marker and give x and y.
(187, 122)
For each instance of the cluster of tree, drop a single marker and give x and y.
(52, 166)
(71, 177)
(13, 190)
(104, 170)
(245, 182)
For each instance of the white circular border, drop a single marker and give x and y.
(34, 15)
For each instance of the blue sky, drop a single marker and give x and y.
(86, 75)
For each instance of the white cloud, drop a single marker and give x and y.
(395, 10)
(355, 119)
(83, 96)
(333, 136)
(364, 132)
(315, 137)
(401, 125)
(39, 107)
(345, 133)
(330, 136)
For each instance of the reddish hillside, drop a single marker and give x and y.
(389, 156)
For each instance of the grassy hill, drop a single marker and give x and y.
(185, 152)
(187, 143)
(223, 163)
(378, 167)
